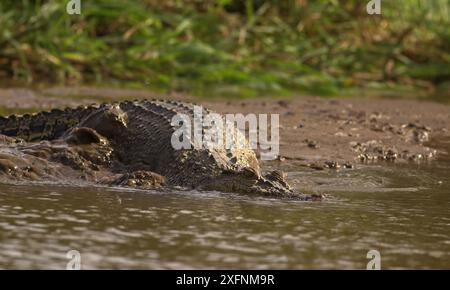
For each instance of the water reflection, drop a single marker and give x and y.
(401, 211)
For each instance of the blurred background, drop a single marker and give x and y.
(230, 48)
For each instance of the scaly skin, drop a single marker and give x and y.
(139, 134)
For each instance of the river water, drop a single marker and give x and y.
(402, 211)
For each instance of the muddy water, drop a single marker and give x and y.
(401, 211)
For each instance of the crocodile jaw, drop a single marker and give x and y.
(258, 185)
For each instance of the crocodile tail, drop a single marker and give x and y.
(46, 125)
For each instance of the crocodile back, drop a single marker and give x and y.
(46, 125)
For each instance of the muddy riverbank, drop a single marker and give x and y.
(315, 132)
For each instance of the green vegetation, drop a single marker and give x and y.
(229, 48)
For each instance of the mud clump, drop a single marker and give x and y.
(141, 178)
(376, 151)
(415, 133)
(53, 160)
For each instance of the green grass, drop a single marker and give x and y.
(228, 48)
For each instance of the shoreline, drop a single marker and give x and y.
(315, 132)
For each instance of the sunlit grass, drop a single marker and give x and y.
(227, 48)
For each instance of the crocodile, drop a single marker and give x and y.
(133, 139)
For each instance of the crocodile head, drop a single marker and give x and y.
(250, 181)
